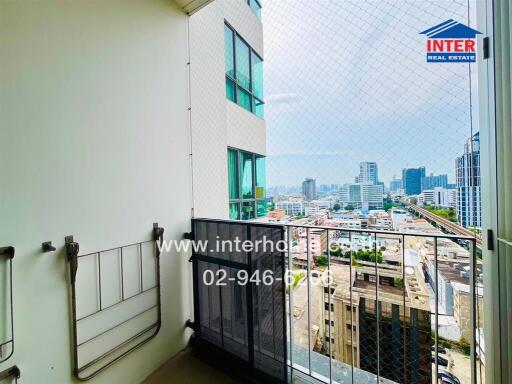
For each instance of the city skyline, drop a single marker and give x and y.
(326, 114)
(350, 177)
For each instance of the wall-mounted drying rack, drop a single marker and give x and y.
(116, 305)
(12, 373)
(7, 317)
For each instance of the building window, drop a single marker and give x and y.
(255, 7)
(246, 185)
(244, 73)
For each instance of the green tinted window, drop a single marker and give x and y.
(246, 175)
(261, 208)
(234, 211)
(248, 210)
(228, 51)
(243, 70)
(230, 89)
(257, 107)
(256, 7)
(233, 173)
(257, 76)
(243, 99)
(260, 178)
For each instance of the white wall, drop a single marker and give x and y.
(217, 122)
(94, 143)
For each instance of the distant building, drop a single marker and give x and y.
(398, 217)
(438, 197)
(292, 208)
(411, 179)
(368, 173)
(395, 185)
(363, 196)
(433, 181)
(276, 214)
(309, 188)
(467, 172)
(316, 206)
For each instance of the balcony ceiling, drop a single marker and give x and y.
(190, 6)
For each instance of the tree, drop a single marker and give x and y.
(349, 207)
(321, 261)
(336, 207)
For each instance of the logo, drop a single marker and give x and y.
(451, 42)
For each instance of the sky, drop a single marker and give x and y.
(347, 81)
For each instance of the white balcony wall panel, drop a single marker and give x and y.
(95, 144)
(208, 115)
(245, 130)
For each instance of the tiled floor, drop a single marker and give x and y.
(186, 368)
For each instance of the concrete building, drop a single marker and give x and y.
(454, 293)
(309, 188)
(368, 173)
(362, 196)
(411, 179)
(349, 321)
(395, 185)
(292, 208)
(432, 181)
(438, 197)
(467, 172)
(316, 206)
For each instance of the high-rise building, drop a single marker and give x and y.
(309, 188)
(395, 185)
(368, 173)
(433, 181)
(362, 196)
(467, 172)
(411, 179)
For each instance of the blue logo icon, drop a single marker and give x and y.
(451, 42)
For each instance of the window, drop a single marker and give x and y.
(244, 73)
(255, 7)
(246, 185)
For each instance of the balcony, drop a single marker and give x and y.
(115, 116)
(397, 331)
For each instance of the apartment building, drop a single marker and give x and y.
(309, 188)
(362, 196)
(368, 173)
(467, 171)
(351, 315)
(411, 180)
(316, 206)
(227, 110)
(438, 197)
(292, 208)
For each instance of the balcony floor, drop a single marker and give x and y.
(187, 368)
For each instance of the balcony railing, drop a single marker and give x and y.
(362, 305)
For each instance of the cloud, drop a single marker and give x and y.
(309, 153)
(283, 98)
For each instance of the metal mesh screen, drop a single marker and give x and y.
(246, 320)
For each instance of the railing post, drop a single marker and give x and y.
(250, 310)
(290, 281)
(308, 258)
(473, 308)
(329, 302)
(436, 297)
